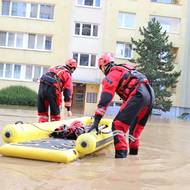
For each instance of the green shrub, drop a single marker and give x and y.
(18, 95)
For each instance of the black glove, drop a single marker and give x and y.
(97, 119)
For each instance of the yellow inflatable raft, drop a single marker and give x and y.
(32, 141)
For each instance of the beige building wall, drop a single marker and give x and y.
(185, 90)
(87, 44)
(58, 28)
(114, 33)
(65, 42)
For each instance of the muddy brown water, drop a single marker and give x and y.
(163, 163)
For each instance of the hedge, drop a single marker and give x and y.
(18, 95)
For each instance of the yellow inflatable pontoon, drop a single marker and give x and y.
(32, 141)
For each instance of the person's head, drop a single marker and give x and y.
(105, 62)
(71, 64)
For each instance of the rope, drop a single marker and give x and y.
(132, 138)
(21, 122)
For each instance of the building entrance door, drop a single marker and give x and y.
(79, 90)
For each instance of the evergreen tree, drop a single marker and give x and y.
(156, 60)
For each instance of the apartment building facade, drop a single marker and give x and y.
(37, 34)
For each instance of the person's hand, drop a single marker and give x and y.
(69, 113)
(94, 126)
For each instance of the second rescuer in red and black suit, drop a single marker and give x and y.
(137, 95)
(56, 81)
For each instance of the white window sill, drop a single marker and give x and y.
(87, 37)
(18, 80)
(87, 67)
(125, 58)
(30, 18)
(24, 49)
(86, 6)
(127, 28)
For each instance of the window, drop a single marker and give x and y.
(25, 41)
(48, 42)
(170, 25)
(19, 40)
(17, 71)
(36, 41)
(77, 28)
(1, 70)
(93, 61)
(86, 29)
(34, 10)
(40, 41)
(86, 60)
(21, 72)
(88, 2)
(123, 50)
(126, 20)
(28, 72)
(26, 9)
(37, 73)
(31, 41)
(18, 9)
(91, 3)
(91, 97)
(164, 1)
(5, 7)
(46, 11)
(3, 38)
(95, 30)
(11, 39)
(8, 71)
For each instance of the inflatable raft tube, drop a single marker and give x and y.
(20, 132)
(60, 150)
(53, 150)
(91, 142)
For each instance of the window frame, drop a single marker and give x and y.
(91, 29)
(78, 58)
(124, 43)
(88, 6)
(123, 15)
(158, 1)
(25, 41)
(22, 73)
(91, 97)
(28, 10)
(176, 25)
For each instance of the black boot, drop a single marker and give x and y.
(133, 151)
(120, 153)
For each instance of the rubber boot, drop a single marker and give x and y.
(133, 151)
(121, 153)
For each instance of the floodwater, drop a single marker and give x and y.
(163, 163)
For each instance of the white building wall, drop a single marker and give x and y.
(89, 45)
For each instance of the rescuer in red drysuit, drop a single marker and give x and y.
(56, 81)
(137, 95)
